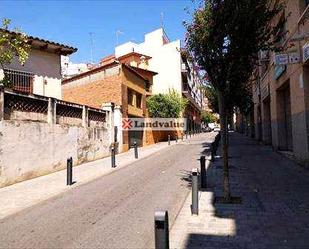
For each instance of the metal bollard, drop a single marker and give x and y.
(161, 230)
(169, 139)
(186, 135)
(135, 150)
(113, 156)
(176, 139)
(194, 206)
(212, 151)
(69, 171)
(203, 172)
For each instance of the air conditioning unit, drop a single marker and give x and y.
(306, 53)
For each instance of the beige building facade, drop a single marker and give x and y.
(281, 91)
(41, 73)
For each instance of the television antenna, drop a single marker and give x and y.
(118, 32)
(91, 46)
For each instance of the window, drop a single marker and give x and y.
(134, 98)
(148, 86)
(138, 100)
(281, 32)
(18, 80)
(130, 97)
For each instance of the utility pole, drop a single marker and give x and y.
(161, 19)
(91, 47)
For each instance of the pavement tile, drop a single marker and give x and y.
(275, 203)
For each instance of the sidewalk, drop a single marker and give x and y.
(275, 204)
(25, 194)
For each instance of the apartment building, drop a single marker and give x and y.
(70, 69)
(41, 74)
(281, 91)
(125, 82)
(175, 71)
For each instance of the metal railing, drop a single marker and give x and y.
(19, 81)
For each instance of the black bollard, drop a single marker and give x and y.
(186, 135)
(212, 151)
(176, 139)
(169, 139)
(69, 171)
(203, 171)
(194, 206)
(161, 230)
(135, 150)
(113, 156)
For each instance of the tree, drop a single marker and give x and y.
(208, 117)
(169, 105)
(212, 96)
(225, 37)
(12, 44)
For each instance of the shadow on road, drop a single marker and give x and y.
(274, 213)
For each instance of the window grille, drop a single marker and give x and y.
(19, 81)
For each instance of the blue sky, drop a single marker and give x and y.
(70, 22)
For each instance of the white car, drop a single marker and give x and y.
(217, 129)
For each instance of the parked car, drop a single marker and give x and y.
(211, 125)
(207, 129)
(217, 129)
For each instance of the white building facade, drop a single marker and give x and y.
(70, 69)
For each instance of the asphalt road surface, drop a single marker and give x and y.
(114, 211)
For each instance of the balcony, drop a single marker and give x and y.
(19, 81)
(190, 95)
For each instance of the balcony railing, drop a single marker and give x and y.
(19, 81)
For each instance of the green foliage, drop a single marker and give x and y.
(12, 45)
(225, 37)
(6, 82)
(212, 96)
(169, 105)
(208, 117)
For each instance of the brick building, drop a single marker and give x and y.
(125, 82)
(281, 91)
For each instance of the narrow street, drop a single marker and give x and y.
(114, 211)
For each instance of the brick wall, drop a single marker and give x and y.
(95, 93)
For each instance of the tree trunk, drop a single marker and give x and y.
(224, 145)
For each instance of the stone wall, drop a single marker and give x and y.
(31, 147)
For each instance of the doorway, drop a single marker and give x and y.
(285, 138)
(267, 122)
